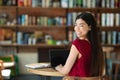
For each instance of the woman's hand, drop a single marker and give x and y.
(59, 67)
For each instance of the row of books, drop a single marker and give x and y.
(107, 37)
(7, 36)
(103, 19)
(110, 19)
(110, 37)
(8, 2)
(93, 3)
(30, 37)
(25, 19)
(70, 3)
(62, 3)
(40, 3)
(4, 19)
(7, 51)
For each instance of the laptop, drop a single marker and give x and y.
(58, 56)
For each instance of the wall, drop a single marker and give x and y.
(26, 58)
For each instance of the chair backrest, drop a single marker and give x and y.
(85, 78)
(1, 67)
(7, 58)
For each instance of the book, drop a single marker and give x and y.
(103, 19)
(71, 3)
(111, 19)
(20, 3)
(19, 37)
(38, 65)
(64, 3)
(114, 37)
(117, 19)
(2, 33)
(109, 37)
(118, 37)
(103, 37)
(69, 19)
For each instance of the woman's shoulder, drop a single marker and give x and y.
(76, 41)
(79, 41)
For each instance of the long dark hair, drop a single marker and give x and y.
(94, 38)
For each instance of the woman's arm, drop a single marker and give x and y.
(74, 54)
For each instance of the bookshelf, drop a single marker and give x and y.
(52, 18)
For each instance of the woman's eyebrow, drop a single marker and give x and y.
(80, 23)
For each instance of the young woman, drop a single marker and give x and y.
(85, 58)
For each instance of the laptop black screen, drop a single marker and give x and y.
(58, 56)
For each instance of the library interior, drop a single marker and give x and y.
(29, 29)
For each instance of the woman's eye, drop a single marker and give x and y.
(75, 25)
(80, 25)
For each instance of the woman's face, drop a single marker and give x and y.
(81, 29)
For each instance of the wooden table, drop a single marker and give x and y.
(45, 73)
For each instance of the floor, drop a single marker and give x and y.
(33, 77)
(37, 77)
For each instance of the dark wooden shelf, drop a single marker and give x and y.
(103, 28)
(38, 11)
(111, 45)
(41, 26)
(8, 7)
(83, 9)
(8, 27)
(95, 10)
(41, 45)
(109, 10)
(109, 28)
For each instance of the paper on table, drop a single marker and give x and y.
(37, 65)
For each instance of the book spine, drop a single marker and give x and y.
(117, 19)
(29, 3)
(2, 33)
(69, 18)
(14, 2)
(19, 38)
(109, 37)
(103, 19)
(20, 3)
(111, 20)
(114, 37)
(64, 3)
(71, 3)
(118, 37)
(103, 38)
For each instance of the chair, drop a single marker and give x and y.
(103, 75)
(116, 63)
(109, 62)
(85, 78)
(4, 73)
(9, 62)
(1, 67)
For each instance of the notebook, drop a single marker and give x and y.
(37, 65)
(58, 56)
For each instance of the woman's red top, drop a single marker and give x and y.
(81, 67)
